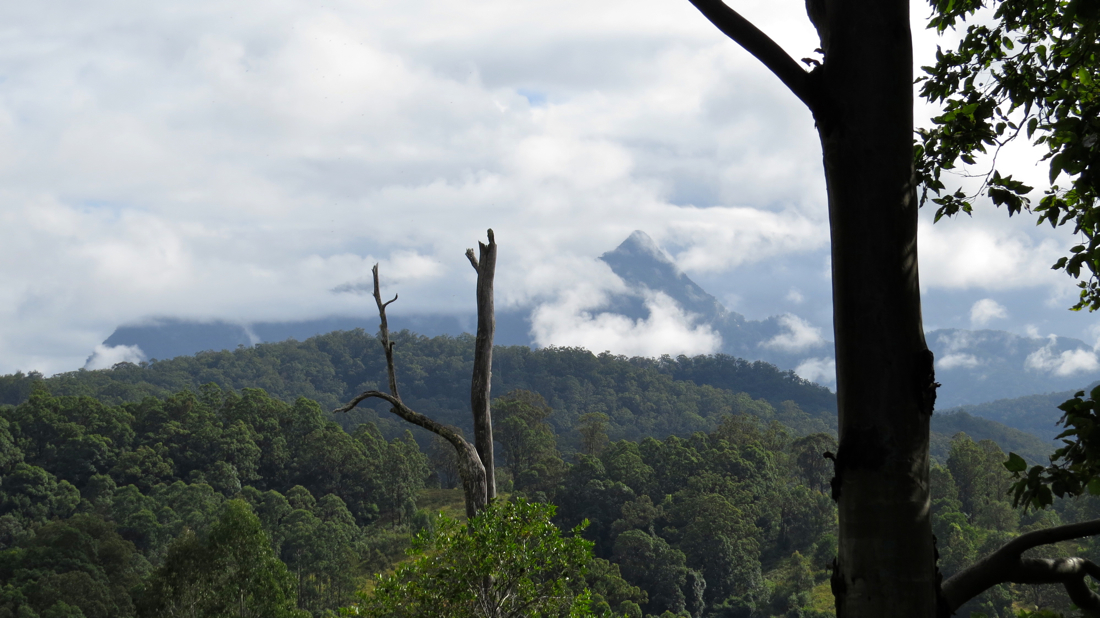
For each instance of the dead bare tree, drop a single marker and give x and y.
(486, 265)
(475, 463)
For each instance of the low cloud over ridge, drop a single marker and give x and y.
(574, 321)
(800, 335)
(1065, 363)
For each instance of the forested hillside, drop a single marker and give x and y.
(206, 496)
(702, 478)
(101, 504)
(641, 396)
(1035, 414)
(946, 424)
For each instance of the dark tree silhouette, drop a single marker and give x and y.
(475, 463)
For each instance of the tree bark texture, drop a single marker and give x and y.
(861, 97)
(485, 264)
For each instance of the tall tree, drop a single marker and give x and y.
(527, 442)
(475, 460)
(232, 572)
(861, 97)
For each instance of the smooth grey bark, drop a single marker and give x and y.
(1007, 565)
(861, 97)
(885, 378)
(475, 469)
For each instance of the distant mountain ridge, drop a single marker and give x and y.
(644, 267)
(1035, 414)
(987, 365)
(642, 397)
(972, 366)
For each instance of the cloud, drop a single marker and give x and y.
(795, 296)
(1065, 363)
(1093, 332)
(240, 162)
(958, 340)
(401, 268)
(992, 255)
(723, 238)
(105, 357)
(954, 361)
(241, 168)
(800, 335)
(574, 321)
(985, 310)
(820, 370)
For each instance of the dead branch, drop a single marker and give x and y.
(384, 329)
(470, 468)
(480, 384)
(477, 486)
(1006, 565)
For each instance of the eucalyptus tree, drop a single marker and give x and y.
(860, 94)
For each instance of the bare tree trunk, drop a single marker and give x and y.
(861, 96)
(885, 380)
(486, 266)
(477, 477)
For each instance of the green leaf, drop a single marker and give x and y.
(1015, 463)
(1094, 487)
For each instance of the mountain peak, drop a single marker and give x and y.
(641, 263)
(640, 244)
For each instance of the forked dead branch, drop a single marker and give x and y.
(475, 461)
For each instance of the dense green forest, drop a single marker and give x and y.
(175, 488)
(641, 396)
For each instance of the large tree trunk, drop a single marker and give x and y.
(885, 384)
(861, 96)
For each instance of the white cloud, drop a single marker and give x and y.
(574, 321)
(400, 269)
(958, 340)
(985, 310)
(800, 335)
(722, 238)
(820, 370)
(1093, 332)
(952, 361)
(1065, 363)
(992, 254)
(105, 357)
(240, 160)
(795, 296)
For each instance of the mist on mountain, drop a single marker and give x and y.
(658, 302)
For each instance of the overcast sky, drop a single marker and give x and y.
(241, 159)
